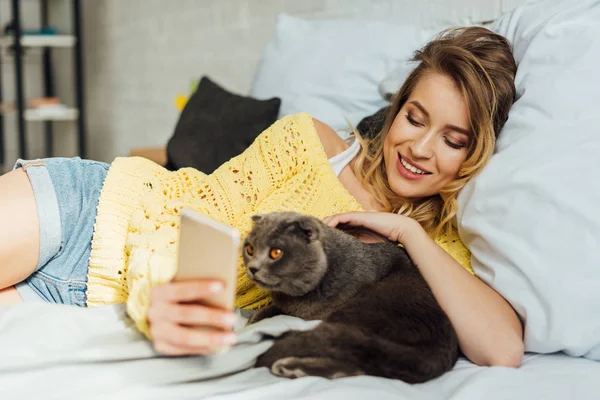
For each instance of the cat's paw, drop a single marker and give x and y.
(264, 313)
(298, 367)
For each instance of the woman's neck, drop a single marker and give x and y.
(358, 191)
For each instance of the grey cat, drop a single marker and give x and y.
(379, 316)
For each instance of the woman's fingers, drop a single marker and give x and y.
(366, 219)
(388, 225)
(345, 218)
(185, 291)
(189, 340)
(191, 314)
(180, 327)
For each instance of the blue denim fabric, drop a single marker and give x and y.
(66, 191)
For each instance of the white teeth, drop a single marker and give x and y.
(411, 168)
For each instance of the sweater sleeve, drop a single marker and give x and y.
(232, 193)
(455, 247)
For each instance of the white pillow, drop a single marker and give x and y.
(332, 68)
(532, 217)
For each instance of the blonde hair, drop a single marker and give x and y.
(483, 68)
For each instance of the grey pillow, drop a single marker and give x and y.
(216, 125)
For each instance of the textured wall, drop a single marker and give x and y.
(140, 53)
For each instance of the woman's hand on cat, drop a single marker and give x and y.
(389, 225)
(179, 325)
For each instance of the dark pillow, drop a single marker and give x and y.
(370, 126)
(216, 125)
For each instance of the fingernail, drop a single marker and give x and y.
(229, 339)
(215, 287)
(230, 319)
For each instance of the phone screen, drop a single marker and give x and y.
(209, 249)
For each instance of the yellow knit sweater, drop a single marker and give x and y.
(135, 236)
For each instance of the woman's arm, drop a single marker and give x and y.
(488, 329)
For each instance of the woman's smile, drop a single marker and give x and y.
(409, 170)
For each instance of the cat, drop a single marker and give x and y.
(379, 316)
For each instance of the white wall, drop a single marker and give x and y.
(140, 53)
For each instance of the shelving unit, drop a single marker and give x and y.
(18, 43)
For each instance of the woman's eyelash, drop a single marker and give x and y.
(454, 145)
(448, 142)
(412, 121)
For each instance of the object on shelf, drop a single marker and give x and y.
(43, 102)
(51, 113)
(47, 36)
(45, 30)
(40, 41)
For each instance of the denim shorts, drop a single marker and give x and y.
(66, 192)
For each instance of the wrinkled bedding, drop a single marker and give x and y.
(53, 351)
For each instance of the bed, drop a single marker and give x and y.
(533, 229)
(55, 351)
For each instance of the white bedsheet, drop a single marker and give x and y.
(53, 351)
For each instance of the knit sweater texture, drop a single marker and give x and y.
(134, 246)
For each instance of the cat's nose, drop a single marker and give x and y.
(253, 270)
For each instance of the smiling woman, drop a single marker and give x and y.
(439, 132)
(423, 149)
(441, 127)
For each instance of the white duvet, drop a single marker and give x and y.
(52, 351)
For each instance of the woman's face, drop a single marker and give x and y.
(428, 140)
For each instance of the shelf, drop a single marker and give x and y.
(41, 114)
(40, 41)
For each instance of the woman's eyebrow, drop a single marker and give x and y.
(459, 130)
(451, 127)
(420, 107)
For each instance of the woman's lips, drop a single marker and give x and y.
(408, 174)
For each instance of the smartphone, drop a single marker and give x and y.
(209, 249)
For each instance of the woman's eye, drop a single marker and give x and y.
(250, 250)
(275, 253)
(456, 146)
(412, 120)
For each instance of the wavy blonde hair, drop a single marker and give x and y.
(482, 66)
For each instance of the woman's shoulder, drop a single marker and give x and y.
(333, 144)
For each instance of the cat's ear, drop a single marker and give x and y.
(308, 227)
(257, 218)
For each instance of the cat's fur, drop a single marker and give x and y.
(379, 315)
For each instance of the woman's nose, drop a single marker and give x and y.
(422, 146)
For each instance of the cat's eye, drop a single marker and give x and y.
(275, 253)
(250, 250)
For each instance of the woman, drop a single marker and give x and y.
(440, 131)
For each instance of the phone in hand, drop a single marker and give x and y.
(209, 249)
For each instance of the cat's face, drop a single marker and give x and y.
(283, 253)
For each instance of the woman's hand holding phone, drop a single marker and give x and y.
(180, 325)
(194, 314)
